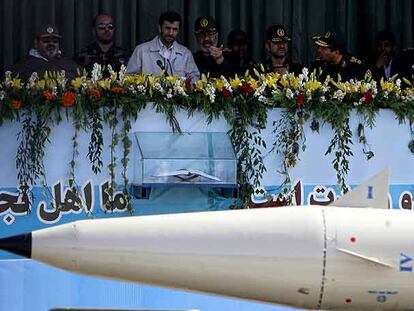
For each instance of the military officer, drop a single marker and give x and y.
(335, 61)
(277, 46)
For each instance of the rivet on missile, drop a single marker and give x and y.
(353, 239)
(348, 300)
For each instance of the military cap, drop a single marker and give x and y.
(237, 36)
(329, 40)
(204, 24)
(47, 30)
(277, 33)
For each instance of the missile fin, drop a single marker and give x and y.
(363, 257)
(372, 193)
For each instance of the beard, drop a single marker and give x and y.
(51, 52)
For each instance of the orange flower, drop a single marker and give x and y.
(301, 99)
(94, 92)
(49, 95)
(16, 104)
(68, 99)
(117, 90)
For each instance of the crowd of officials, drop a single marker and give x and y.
(164, 54)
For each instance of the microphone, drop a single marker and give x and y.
(160, 64)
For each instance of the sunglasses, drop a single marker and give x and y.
(109, 26)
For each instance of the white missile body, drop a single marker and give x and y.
(310, 257)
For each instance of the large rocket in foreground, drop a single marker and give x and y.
(306, 256)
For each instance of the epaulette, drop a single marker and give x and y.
(408, 49)
(355, 60)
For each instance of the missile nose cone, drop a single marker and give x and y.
(18, 244)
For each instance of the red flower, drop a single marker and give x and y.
(189, 83)
(367, 96)
(117, 90)
(49, 95)
(246, 88)
(301, 99)
(68, 99)
(94, 92)
(226, 93)
(16, 104)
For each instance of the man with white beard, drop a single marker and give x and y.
(210, 59)
(45, 56)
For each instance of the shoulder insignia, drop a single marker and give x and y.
(408, 49)
(353, 59)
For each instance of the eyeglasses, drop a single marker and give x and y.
(109, 26)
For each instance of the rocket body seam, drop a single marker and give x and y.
(324, 254)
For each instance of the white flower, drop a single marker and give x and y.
(322, 99)
(226, 84)
(289, 93)
(8, 78)
(34, 77)
(339, 95)
(259, 91)
(178, 87)
(2, 95)
(122, 73)
(141, 88)
(210, 91)
(398, 83)
(264, 100)
(112, 73)
(61, 79)
(96, 72)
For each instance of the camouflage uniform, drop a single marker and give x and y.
(115, 56)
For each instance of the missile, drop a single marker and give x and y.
(310, 257)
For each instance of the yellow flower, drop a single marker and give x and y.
(253, 82)
(235, 83)
(171, 79)
(271, 79)
(199, 86)
(136, 79)
(41, 84)
(17, 83)
(218, 84)
(294, 82)
(284, 82)
(50, 83)
(105, 84)
(388, 86)
(313, 85)
(76, 83)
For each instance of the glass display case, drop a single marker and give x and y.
(187, 159)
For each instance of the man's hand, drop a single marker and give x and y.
(382, 60)
(217, 54)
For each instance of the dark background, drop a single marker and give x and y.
(137, 21)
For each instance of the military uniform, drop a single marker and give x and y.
(206, 25)
(207, 65)
(349, 67)
(288, 65)
(115, 56)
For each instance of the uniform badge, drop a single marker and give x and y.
(204, 22)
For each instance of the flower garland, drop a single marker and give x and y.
(242, 100)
